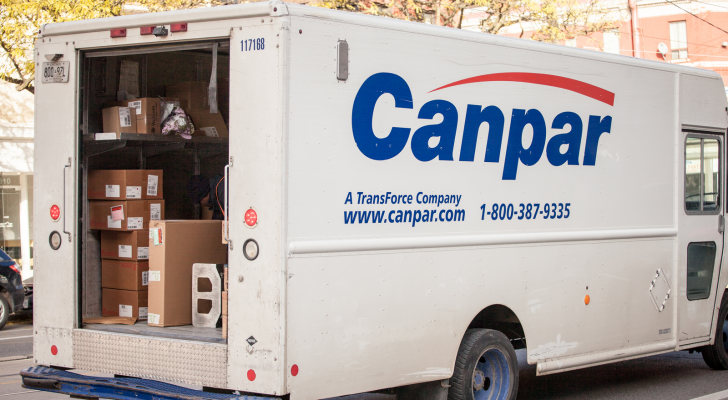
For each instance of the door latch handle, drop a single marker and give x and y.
(721, 223)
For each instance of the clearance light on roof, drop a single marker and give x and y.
(181, 27)
(146, 30)
(117, 33)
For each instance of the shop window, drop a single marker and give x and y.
(701, 259)
(679, 40)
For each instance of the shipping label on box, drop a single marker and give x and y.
(112, 191)
(152, 183)
(124, 251)
(135, 223)
(133, 192)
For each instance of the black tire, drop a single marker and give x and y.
(486, 367)
(716, 355)
(4, 311)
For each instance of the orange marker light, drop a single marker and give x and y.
(587, 299)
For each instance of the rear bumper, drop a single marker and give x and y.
(59, 381)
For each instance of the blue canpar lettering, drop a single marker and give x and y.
(516, 154)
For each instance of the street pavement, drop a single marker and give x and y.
(671, 376)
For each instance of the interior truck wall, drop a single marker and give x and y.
(389, 302)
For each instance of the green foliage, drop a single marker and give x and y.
(20, 21)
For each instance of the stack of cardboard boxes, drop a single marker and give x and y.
(144, 115)
(122, 204)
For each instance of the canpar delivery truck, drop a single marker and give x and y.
(406, 205)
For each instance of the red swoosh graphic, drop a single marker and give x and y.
(573, 85)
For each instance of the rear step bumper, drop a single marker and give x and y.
(59, 381)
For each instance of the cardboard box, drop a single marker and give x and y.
(123, 303)
(173, 247)
(191, 95)
(125, 184)
(147, 112)
(129, 246)
(134, 214)
(119, 120)
(206, 124)
(125, 275)
(224, 303)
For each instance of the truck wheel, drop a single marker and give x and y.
(716, 355)
(486, 368)
(4, 311)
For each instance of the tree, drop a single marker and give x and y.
(20, 22)
(548, 20)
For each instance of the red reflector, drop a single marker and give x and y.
(294, 370)
(251, 217)
(118, 33)
(54, 350)
(55, 212)
(251, 375)
(178, 27)
(146, 30)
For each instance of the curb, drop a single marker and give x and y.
(15, 358)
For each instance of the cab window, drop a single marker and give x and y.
(702, 175)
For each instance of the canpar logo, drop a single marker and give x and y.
(393, 144)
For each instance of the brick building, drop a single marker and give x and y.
(686, 39)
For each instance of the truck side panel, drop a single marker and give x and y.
(376, 291)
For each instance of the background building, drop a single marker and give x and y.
(16, 175)
(693, 33)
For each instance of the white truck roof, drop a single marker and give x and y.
(281, 9)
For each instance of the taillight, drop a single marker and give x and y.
(146, 30)
(15, 268)
(181, 27)
(117, 33)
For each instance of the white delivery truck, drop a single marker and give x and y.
(407, 205)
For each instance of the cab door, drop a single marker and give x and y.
(700, 238)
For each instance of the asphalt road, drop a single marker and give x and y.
(16, 340)
(672, 376)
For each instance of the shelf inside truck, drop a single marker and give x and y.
(155, 144)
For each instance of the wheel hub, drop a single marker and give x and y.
(478, 380)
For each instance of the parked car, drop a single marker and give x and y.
(11, 288)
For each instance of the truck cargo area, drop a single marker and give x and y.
(179, 77)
